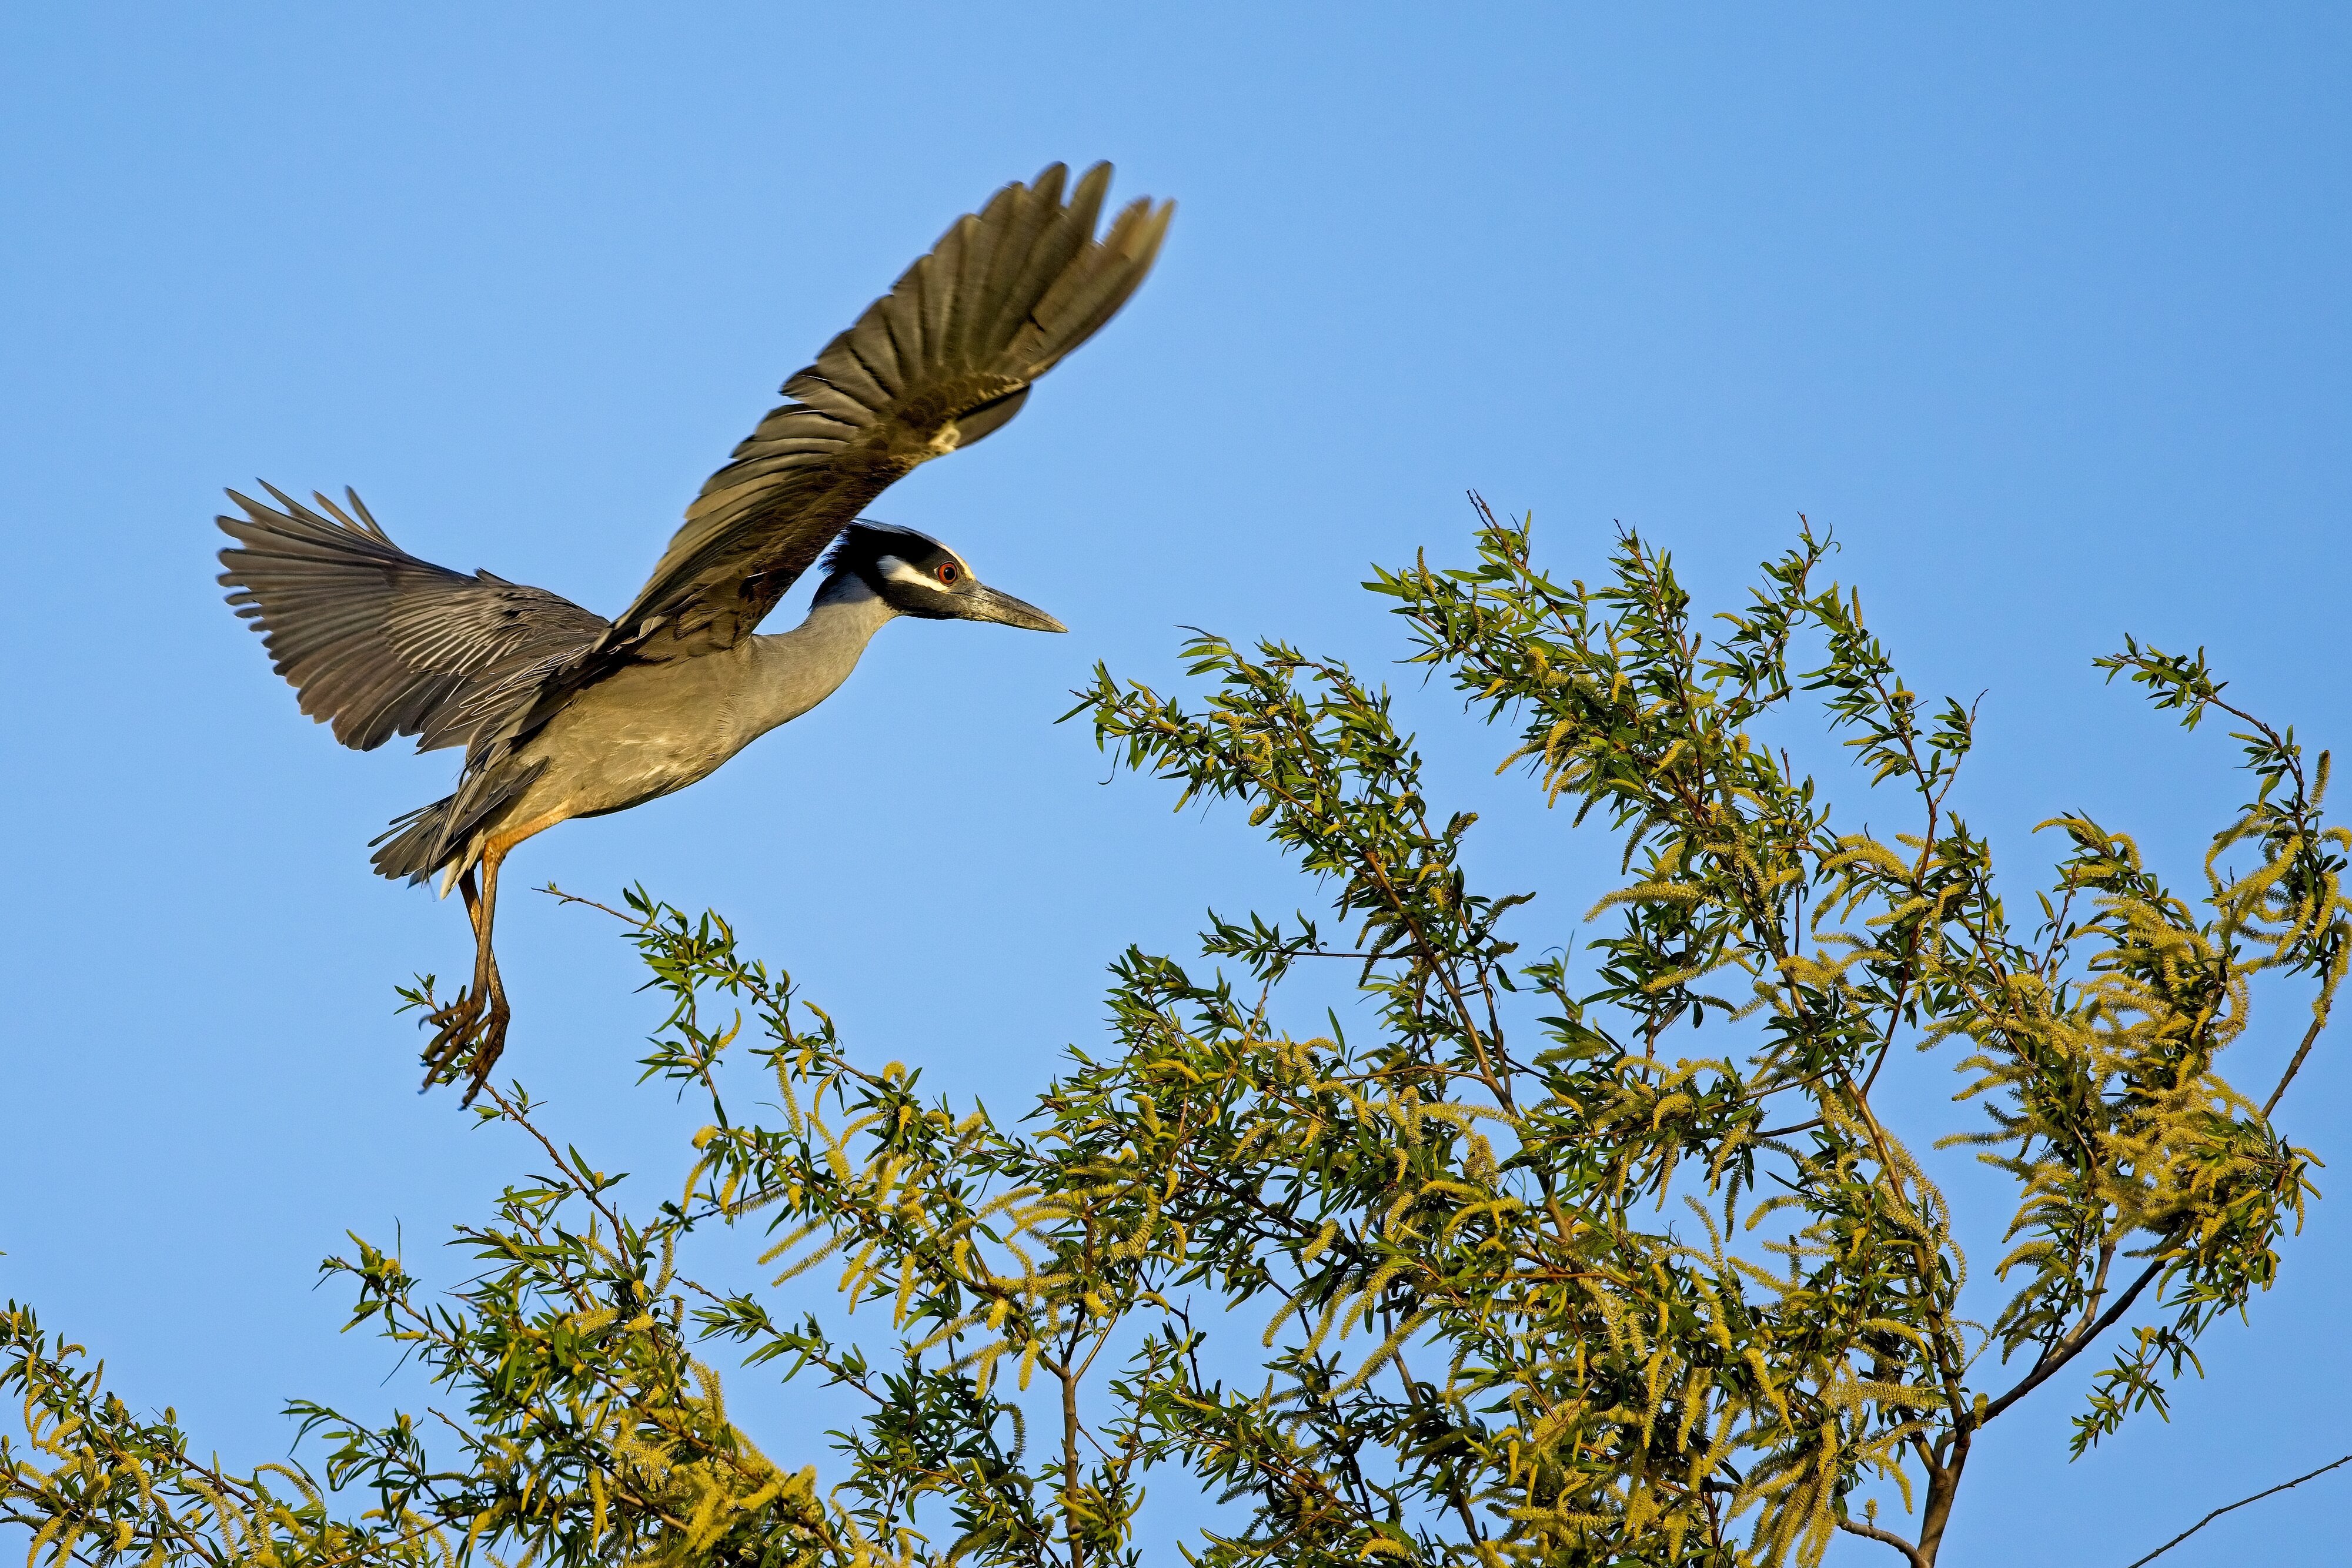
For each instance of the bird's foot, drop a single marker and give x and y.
(491, 1040)
(457, 1026)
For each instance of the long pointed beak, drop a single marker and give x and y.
(984, 603)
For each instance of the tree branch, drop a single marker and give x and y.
(1872, 1532)
(2241, 1503)
(2048, 1368)
(1070, 1429)
(2310, 1038)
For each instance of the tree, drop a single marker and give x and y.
(1513, 1275)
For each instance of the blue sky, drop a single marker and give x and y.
(2041, 309)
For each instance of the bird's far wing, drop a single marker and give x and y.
(378, 643)
(942, 359)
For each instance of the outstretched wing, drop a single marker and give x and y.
(942, 359)
(380, 643)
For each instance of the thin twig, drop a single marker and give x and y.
(2310, 1038)
(1872, 1533)
(1792, 1130)
(2241, 1503)
(558, 893)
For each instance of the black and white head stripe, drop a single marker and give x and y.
(925, 574)
(916, 575)
(867, 545)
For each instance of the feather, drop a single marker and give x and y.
(1003, 296)
(376, 642)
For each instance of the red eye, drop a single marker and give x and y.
(948, 573)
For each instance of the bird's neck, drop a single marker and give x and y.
(800, 668)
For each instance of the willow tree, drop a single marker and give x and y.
(1525, 1266)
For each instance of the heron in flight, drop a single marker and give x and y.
(564, 714)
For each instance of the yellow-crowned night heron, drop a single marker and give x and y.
(564, 714)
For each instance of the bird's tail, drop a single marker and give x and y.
(415, 844)
(446, 836)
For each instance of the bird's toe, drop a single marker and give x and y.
(455, 1026)
(490, 1041)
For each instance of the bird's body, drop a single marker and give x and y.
(564, 714)
(650, 730)
(625, 740)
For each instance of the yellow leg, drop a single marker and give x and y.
(478, 1018)
(454, 1023)
(493, 1033)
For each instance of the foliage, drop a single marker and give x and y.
(1504, 1279)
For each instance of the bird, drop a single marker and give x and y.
(564, 714)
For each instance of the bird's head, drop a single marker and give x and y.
(915, 574)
